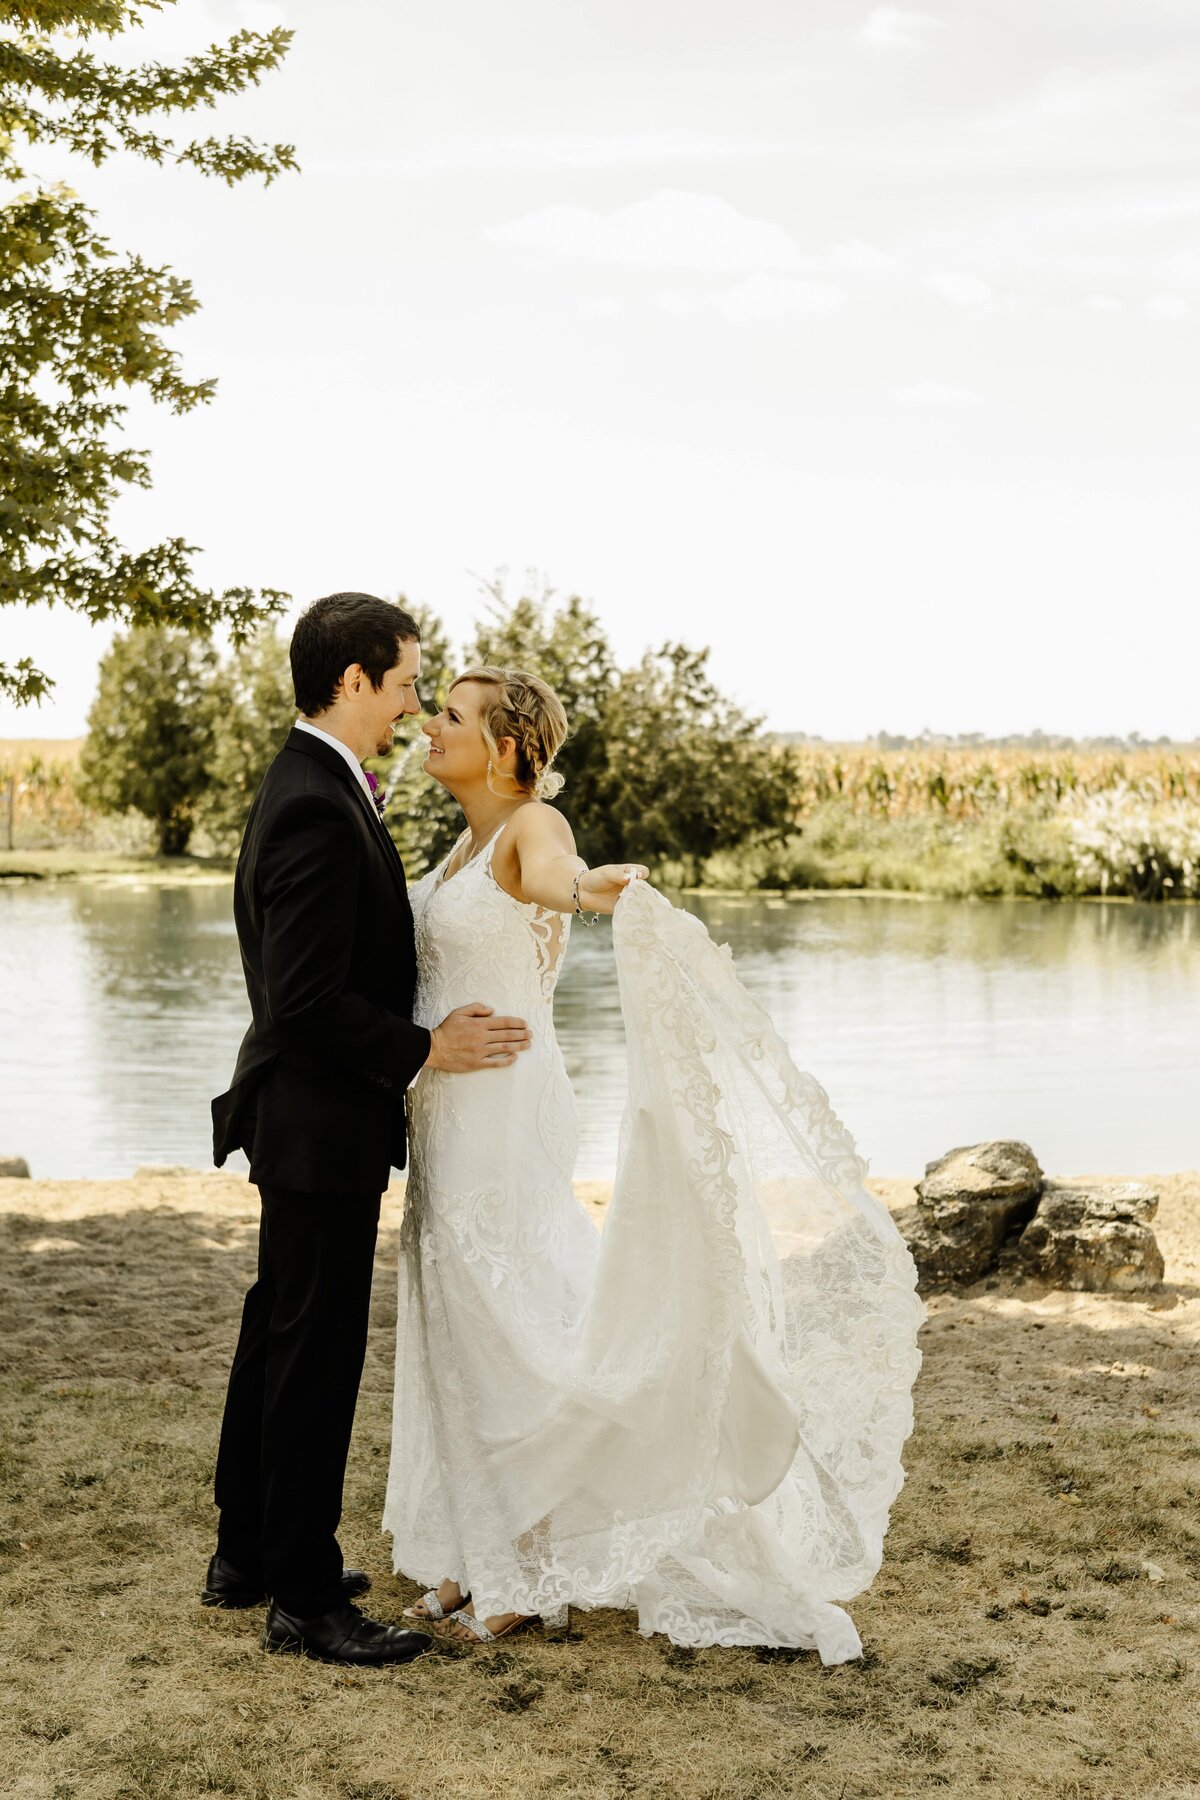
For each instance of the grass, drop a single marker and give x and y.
(1026, 852)
(1015, 1642)
(1021, 854)
(66, 864)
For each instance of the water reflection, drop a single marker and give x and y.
(121, 1009)
(930, 1023)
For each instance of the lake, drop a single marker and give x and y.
(931, 1023)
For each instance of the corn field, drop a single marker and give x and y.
(40, 802)
(960, 785)
(44, 805)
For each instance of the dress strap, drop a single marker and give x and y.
(485, 855)
(456, 846)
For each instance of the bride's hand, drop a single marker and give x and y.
(600, 889)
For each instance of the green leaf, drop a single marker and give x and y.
(81, 322)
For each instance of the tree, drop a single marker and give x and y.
(78, 322)
(688, 773)
(658, 763)
(253, 708)
(150, 731)
(568, 648)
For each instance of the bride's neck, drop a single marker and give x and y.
(485, 812)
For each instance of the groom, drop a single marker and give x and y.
(317, 1103)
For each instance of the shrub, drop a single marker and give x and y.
(1123, 843)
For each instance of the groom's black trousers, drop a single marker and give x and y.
(292, 1393)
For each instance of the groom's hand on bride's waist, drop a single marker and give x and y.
(473, 1037)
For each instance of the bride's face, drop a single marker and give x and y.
(458, 755)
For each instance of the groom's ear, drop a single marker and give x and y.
(351, 678)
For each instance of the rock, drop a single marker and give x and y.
(999, 1170)
(1104, 1199)
(13, 1168)
(988, 1208)
(969, 1201)
(1093, 1239)
(928, 1251)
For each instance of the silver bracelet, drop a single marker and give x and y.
(595, 918)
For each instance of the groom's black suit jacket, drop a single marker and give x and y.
(326, 935)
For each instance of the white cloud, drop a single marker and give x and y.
(1103, 303)
(223, 17)
(252, 15)
(958, 288)
(1183, 266)
(1167, 307)
(760, 297)
(895, 28)
(1061, 101)
(672, 230)
(773, 297)
(859, 256)
(936, 393)
(603, 151)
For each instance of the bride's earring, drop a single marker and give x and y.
(492, 789)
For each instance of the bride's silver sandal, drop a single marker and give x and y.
(434, 1610)
(558, 1620)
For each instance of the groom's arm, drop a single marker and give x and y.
(309, 869)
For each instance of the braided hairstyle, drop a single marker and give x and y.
(527, 709)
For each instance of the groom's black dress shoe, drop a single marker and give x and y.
(342, 1636)
(226, 1586)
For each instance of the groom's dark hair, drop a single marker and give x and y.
(339, 630)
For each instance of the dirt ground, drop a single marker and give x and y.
(1033, 1631)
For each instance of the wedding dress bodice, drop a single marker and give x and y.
(475, 942)
(469, 1133)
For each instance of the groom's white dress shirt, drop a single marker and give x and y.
(342, 750)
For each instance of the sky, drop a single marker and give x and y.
(856, 342)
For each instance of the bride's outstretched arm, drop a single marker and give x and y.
(554, 876)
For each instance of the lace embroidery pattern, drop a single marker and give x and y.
(700, 1413)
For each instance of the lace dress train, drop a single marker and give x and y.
(699, 1411)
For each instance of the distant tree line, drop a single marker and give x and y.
(1020, 740)
(658, 764)
(1033, 741)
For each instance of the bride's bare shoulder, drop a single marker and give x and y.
(537, 822)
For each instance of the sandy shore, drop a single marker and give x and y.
(1034, 1630)
(221, 1214)
(217, 1214)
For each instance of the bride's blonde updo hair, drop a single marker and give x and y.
(527, 709)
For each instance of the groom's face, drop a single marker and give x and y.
(379, 710)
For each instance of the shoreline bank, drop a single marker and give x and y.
(112, 868)
(53, 867)
(228, 1194)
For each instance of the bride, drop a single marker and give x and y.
(700, 1411)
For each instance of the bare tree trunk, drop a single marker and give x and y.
(173, 835)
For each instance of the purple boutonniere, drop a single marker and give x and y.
(378, 791)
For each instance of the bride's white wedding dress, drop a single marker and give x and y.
(699, 1411)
